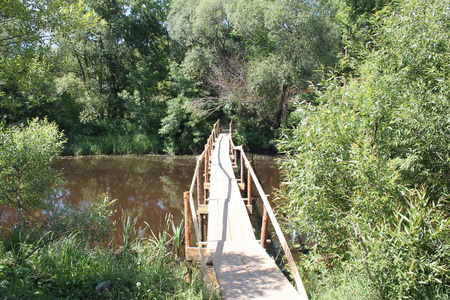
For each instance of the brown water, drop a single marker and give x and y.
(146, 186)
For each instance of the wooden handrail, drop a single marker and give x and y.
(194, 218)
(272, 217)
(206, 154)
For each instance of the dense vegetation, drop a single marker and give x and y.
(355, 91)
(367, 167)
(139, 76)
(57, 251)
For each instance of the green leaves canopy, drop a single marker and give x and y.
(369, 166)
(26, 154)
(259, 53)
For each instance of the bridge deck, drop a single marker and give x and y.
(243, 268)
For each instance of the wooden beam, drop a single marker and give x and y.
(279, 232)
(193, 254)
(249, 184)
(249, 209)
(203, 209)
(199, 183)
(264, 226)
(187, 221)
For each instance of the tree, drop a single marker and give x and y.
(26, 174)
(367, 168)
(28, 32)
(257, 55)
(127, 52)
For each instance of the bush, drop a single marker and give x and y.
(367, 168)
(182, 129)
(68, 268)
(26, 155)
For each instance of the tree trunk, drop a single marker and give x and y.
(282, 106)
(19, 211)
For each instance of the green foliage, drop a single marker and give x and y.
(356, 163)
(256, 55)
(90, 224)
(182, 129)
(67, 268)
(27, 32)
(26, 154)
(412, 252)
(116, 144)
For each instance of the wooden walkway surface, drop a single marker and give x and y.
(243, 268)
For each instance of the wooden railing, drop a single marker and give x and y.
(267, 209)
(190, 207)
(200, 184)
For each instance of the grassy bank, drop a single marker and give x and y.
(69, 269)
(113, 144)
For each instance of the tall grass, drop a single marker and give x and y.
(113, 144)
(139, 269)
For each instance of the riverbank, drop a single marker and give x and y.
(138, 143)
(113, 144)
(67, 268)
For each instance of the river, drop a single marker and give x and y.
(145, 186)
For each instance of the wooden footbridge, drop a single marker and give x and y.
(223, 232)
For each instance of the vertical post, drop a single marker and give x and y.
(264, 226)
(187, 221)
(206, 164)
(249, 184)
(218, 128)
(211, 145)
(242, 166)
(231, 127)
(200, 226)
(205, 174)
(199, 183)
(204, 219)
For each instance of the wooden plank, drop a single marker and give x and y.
(244, 270)
(202, 209)
(234, 280)
(187, 220)
(228, 217)
(279, 232)
(264, 271)
(193, 254)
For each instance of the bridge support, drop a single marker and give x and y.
(187, 221)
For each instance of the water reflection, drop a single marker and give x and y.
(145, 186)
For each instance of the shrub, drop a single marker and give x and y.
(367, 168)
(26, 174)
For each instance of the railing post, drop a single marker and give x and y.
(187, 220)
(218, 128)
(206, 164)
(249, 184)
(211, 146)
(242, 165)
(264, 226)
(199, 183)
(205, 174)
